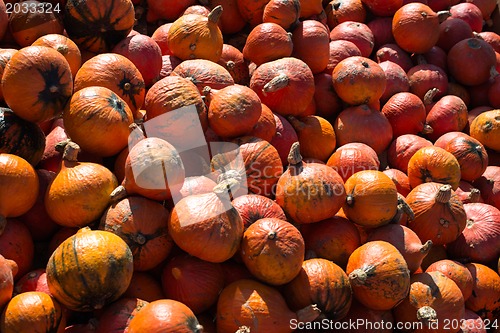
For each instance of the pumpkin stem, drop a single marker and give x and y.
(444, 194)
(405, 208)
(308, 314)
(474, 195)
(206, 91)
(350, 199)
(278, 82)
(140, 239)
(199, 329)
(426, 314)
(61, 145)
(227, 184)
(426, 247)
(294, 157)
(118, 194)
(71, 150)
(443, 15)
(243, 329)
(427, 129)
(469, 224)
(215, 14)
(430, 95)
(359, 276)
(230, 65)
(271, 235)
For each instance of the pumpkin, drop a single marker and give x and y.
(195, 36)
(165, 10)
(253, 11)
(358, 80)
(153, 169)
(5, 55)
(20, 137)
(8, 270)
(282, 258)
(233, 111)
(285, 85)
(284, 137)
(447, 115)
(439, 214)
(486, 129)
(98, 25)
(253, 207)
(358, 124)
(323, 283)
(467, 193)
(266, 42)
(403, 148)
(489, 185)
(334, 239)
(433, 300)
(89, 270)
(339, 50)
(232, 21)
(311, 129)
(192, 281)
(116, 316)
(165, 316)
(192, 228)
(372, 198)
(265, 128)
(168, 63)
(309, 192)
(204, 73)
(253, 157)
(360, 312)
(160, 36)
(470, 13)
(470, 154)
(16, 244)
(19, 177)
(250, 305)
(383, 8)
(284, 13)
(35, 280)
(4, 18)
(480, 240)
(341, 11)
(379, 275)
(392, 52)
(406, 113)
(472, 323)
(415, 27)
(433, 164)
(400, 179)
(451, 31)
(37, 83)
(326, 101)
(485, 298)
(98, 109)
(79, 193)
(356, 32)
(427, 81)
(197, 185)
(232, 59)
(65, 46)
(353, 157)
(396, 80)
(144, 286)
(310, 40)
(33, 312)
(141, 223)
(456, 272)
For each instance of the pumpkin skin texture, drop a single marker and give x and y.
(20, 137)
(284, 13)
(195, 36)
(89, 270)
(114, 72)
(8, 270)
(265, 128)
(273, 250)
(313, 129)
(65, 46)
(486, 129)
(98, 25)
(433, 298)
(285, 85)
(267, 42)
(253, 207)
(19, 177)
(164, 316)
(98, 110)
(5, 55)
(323, 283)
(79, 193)
(309, 192)
(37, 83)
(378, 274)
(310, 40)
(455, 271)
(353, 157)
(403, 148)
(195, 218)
(485, 298)
(116, 317)
(433, 164)
(232, 59)
(372, 198)
(141, 223)
(33, 312)
(439, 213)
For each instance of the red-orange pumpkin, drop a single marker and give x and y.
(116, 317)
(253, 207)
(267, 42)
(353, 157)
(310, 40)
(403, 148)
(485, 298)
(204, 73)
(8, 270)
(144, 286)
(455, 271)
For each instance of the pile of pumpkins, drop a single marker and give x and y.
(249, 166)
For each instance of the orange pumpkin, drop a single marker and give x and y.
(140, 222)
(37, 83)
(284, 13)
(360, 312)
(5, 55)
(309, 192)
(485, 298)
(372, 198)
(248, 305)
(16, 244)
(204, 73)
(33, 312)
(253, 207)
(98, 25)
(8, 270)
(311, 130)
(144, 286)
(486, 129)
(433, 164)
(232, 59)
(116, 317)
(341, 11)
(403, 148)
(19, 177)
(231, 22)
(379, 275)
(456, 272)
(267, 42)
(165, 315)
(433, 300)
(252, 11)
(353, 157)
(65, 46)
(310, 40)
(89, 270)
(282, 258)
(195, 36)
(323, 283)
(400, 179)
(265, 128)
(439, 214)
